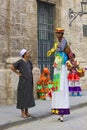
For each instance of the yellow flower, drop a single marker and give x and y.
(53, 111)
(56, 112)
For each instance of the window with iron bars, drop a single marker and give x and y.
(45, 35)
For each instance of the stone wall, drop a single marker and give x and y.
(23, 27)
(18, 29)
(74, 33)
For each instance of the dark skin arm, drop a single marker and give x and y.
(14, 70)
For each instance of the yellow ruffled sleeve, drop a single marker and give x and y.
(53, 49)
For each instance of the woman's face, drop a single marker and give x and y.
(59, 35)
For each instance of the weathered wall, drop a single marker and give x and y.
(74, 33)
(18, 29)
(18, 22)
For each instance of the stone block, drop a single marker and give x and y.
(36, 75)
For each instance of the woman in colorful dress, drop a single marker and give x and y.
(44, 85)
(73, 77)
(60, 94)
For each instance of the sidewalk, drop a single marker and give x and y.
(9, 115)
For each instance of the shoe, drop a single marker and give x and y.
(78, 94)
(61, 119)
(73, 94)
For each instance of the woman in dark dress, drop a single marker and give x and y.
(25, 97)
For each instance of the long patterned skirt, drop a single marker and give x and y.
(60, 96)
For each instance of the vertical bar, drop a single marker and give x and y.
(45, 34)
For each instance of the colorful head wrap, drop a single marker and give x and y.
(59, 30)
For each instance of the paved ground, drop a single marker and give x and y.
(9, 115)
(77, 120)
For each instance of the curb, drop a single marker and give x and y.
(9, 125)
(79, 106)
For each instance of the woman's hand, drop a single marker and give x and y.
(54, 65)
